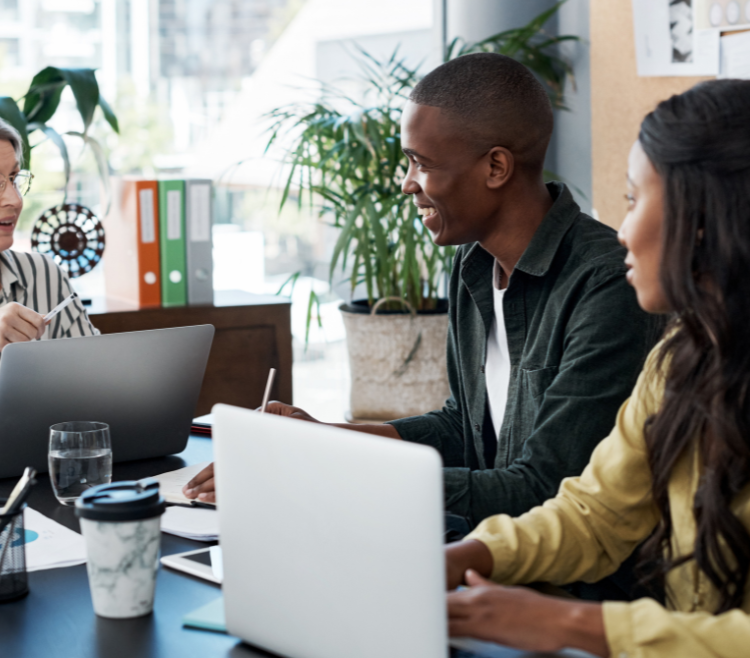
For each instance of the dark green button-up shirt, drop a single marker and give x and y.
(577, 340)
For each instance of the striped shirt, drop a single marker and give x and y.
(36, 281)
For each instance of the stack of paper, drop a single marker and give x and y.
(191, 523)
(50, 545)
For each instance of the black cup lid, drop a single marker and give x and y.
(122, 501)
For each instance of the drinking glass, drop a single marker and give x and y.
(80, 457)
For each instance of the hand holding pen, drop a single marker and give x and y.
(202, 487)
(19, 324)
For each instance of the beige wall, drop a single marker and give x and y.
(619, 101)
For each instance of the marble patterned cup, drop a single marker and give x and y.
(121, 523)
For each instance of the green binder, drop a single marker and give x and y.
(172, 238)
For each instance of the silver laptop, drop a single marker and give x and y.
(144, 384)
(332, 542)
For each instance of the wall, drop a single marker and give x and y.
(569, 154)
(572, 136)
(619, 101)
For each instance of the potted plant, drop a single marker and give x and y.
(39, 104)
(346, 155)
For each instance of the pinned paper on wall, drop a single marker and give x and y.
(722, 14)
(668, 43)
(735, 56)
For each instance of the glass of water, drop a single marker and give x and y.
(80, 457)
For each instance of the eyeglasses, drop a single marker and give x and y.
(21, 181)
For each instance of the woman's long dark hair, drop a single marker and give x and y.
(699, 142)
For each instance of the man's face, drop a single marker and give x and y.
(449, 179)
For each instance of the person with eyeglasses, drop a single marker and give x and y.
(31, 284)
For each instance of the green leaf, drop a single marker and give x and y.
(109, 115)
(58, 141)
(346, 233)
(291, 282)
(86, 91)
(313, 300)
(43, 97)
(101, 162)
(9, 112)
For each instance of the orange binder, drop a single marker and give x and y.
(131, 258)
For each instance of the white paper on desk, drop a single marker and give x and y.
(171, 483)
(667, 43)
(208, 419)
(735, 56)
(191, 522)
(50, 545)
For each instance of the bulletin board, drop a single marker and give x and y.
(619, 101)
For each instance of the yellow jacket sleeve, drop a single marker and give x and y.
(644, 629)
(596, 520)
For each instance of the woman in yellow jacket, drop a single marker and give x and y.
(675, 470)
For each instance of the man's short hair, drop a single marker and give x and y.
(495, 101)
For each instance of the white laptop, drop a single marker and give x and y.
(332, 542)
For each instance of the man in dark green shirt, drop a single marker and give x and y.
(577, 340)
(476, 131)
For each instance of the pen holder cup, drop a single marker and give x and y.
(14, 582)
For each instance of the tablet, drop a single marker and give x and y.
(203, 563)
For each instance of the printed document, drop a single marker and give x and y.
(50, 545)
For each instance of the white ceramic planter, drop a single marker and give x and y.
(397, 363)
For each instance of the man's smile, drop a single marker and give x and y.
(426, 211)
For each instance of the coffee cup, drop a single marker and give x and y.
(121, 523)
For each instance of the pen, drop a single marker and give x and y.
(17, 498)
(267, 394)
(193, 504)
(59, 307)
(18, 490)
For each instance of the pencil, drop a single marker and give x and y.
(267, 394)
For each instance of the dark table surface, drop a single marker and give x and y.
(57, 617)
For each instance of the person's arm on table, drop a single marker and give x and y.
(442, 429)
(524, 619)
(282, 409)
(203, 487)
(514, 616)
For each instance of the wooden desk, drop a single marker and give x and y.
(253, 334)
(57, 617)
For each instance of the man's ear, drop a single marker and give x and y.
(501, 164)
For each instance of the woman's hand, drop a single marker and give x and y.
(19, 324)
(522, 618)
